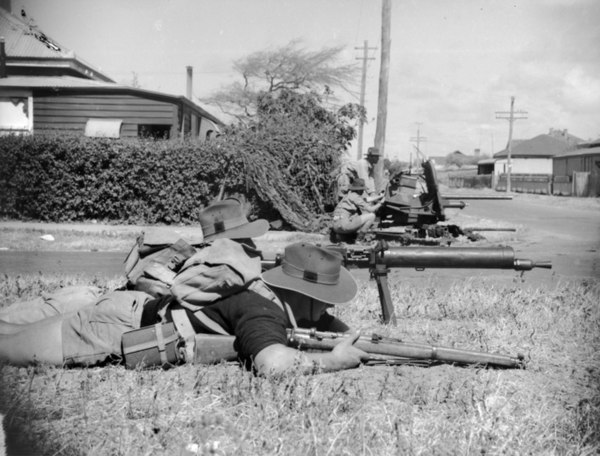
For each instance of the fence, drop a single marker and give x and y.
(526, 183)
(562, 186)
(581, 184)
(478, 181)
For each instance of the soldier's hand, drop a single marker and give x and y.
(347, 354)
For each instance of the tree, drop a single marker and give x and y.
(456, 158)
(288, 68)
(288, 150)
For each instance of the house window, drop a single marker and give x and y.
(16, 115)
(103, 128)
(154, 131)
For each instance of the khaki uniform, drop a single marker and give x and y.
(347, 214)
(352, 170)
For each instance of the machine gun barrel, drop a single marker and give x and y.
(477, 197)
(472, 228)
(389, 350)
(453, 205)
(427, 257)
(455, 257)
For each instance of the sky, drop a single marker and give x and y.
(453, 64)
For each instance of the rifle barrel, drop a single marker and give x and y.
(212, 348)
(387, 347)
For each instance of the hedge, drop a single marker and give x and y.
(60, 179)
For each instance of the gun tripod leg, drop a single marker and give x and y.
(387, 306)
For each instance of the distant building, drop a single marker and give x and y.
(486, 166)
(577, 172)
(534, 156)
(46, 89)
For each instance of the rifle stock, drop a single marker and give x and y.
(388, 349)
(212, 348)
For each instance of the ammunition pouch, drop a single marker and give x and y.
(166, 344)
(159, 345)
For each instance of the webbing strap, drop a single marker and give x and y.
(290, 314)
(209, 323)
(160, 342)
(258, 286)
(186, 331)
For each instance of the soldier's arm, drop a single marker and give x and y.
(278, 359)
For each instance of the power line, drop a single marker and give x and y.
(418, 140)
(511, 116)
(365, 58)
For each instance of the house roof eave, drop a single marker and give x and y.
(41, 86)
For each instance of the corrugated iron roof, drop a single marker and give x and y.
(588, 144)
(579, 152)
(27, 40)
(71, 82)
(540, 146)
(49, 82)
(24, 40)
(25, 44)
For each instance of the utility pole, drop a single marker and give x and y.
(386, 14)
(511, 116)
(418, 140)
(363, 86)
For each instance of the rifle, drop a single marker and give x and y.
(210, 348)
(380, 258)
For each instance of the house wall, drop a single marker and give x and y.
(564, 167)
(524, 166)
(71, 113)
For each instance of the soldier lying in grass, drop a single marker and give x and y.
(309, 281)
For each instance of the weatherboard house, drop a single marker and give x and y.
(532, 161)
(577, 172)
(47, 89)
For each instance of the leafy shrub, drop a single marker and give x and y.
(281, 165)
(72, 178)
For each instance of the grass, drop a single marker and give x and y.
(552, 407)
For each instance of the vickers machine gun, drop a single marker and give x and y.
(415, 203)
(381, 257)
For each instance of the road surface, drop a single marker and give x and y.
(567, 236)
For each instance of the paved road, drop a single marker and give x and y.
(103, 264)
(567, 236)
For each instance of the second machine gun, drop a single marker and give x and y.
(381, 257)
(415, 203)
